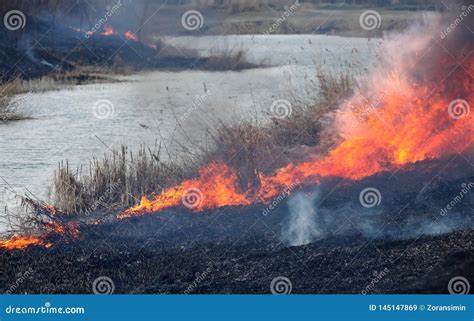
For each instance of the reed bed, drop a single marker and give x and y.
(116, 180)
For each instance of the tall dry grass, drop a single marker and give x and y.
(115, 181)
(8, 111)
(228, 60)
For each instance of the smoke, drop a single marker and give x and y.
(323, 214)
(302, 225)
(425, 53)
(308, 223)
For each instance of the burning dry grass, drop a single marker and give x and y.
(120, 178)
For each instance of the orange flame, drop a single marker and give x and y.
(21, 242)
(130, 36)
(215, 187)
(108, 31)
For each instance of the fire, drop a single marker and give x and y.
(70, 229)
(215, 187)
(108, 31)
(50, 208)
(130, 36)
(400, 118)
(21, 242)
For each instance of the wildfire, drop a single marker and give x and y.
(400, 117)
(405, 120)
(21, 242)
(130, 36)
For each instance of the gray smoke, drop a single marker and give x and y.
(308, 222)
(302, 224)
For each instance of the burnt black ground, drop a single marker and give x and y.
(335, 265)
(402, 246)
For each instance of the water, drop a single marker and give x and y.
(85, 121)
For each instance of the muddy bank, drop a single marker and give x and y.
(43, 48)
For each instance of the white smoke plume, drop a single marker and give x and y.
(302, 225)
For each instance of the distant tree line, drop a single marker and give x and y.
(54, 7)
